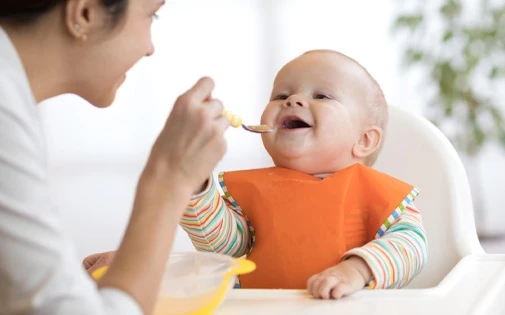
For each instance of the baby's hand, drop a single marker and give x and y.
(343, 279)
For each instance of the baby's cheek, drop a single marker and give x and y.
(270, 113)
(266, 116)
(268, 143)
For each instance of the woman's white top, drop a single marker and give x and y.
(39, 271)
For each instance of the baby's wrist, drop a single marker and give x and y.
(360, 265)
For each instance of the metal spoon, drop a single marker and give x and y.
(236, 121)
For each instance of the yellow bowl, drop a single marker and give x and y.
(195, 283)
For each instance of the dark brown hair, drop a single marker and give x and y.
(23, 12)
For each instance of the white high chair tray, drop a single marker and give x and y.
(476, 285)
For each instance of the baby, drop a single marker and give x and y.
(322, 218)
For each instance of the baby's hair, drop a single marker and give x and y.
(376, 105)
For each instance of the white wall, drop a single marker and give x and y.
(96, 155)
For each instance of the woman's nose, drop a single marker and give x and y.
(150, 52)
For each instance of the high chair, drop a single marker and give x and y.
(417, 152)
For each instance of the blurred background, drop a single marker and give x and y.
(443, 60)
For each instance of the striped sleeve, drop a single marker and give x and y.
(398, 253)
(214, 226)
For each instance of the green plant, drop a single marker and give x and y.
(459, 49)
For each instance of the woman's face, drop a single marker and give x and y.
(111, 51)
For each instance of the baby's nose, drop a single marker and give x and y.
(294, 100)
(293, 103)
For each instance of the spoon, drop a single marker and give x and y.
(236, 121)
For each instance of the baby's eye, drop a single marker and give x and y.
(320, 97)
(281, 97)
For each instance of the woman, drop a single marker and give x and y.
(85, 47)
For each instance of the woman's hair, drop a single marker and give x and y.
(22, 12)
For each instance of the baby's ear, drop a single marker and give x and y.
(368, 142)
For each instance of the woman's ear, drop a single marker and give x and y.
(368, 142)
(81, 17)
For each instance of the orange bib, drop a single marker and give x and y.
(304, 224)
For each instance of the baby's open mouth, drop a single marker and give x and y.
(293, 122)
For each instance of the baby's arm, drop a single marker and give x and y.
(392, 260)
(214, 226)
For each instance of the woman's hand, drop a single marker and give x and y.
(95, 261)
(192, 141)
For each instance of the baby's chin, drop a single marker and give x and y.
(299, 157)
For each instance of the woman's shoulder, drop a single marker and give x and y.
(21, 137)
(15, 89)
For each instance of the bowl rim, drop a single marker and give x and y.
(224, 258)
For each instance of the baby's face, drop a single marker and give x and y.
(317, 110)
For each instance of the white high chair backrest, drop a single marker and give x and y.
(417, 152)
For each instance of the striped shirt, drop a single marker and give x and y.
(215, 223)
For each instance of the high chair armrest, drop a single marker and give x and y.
(476, 285)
